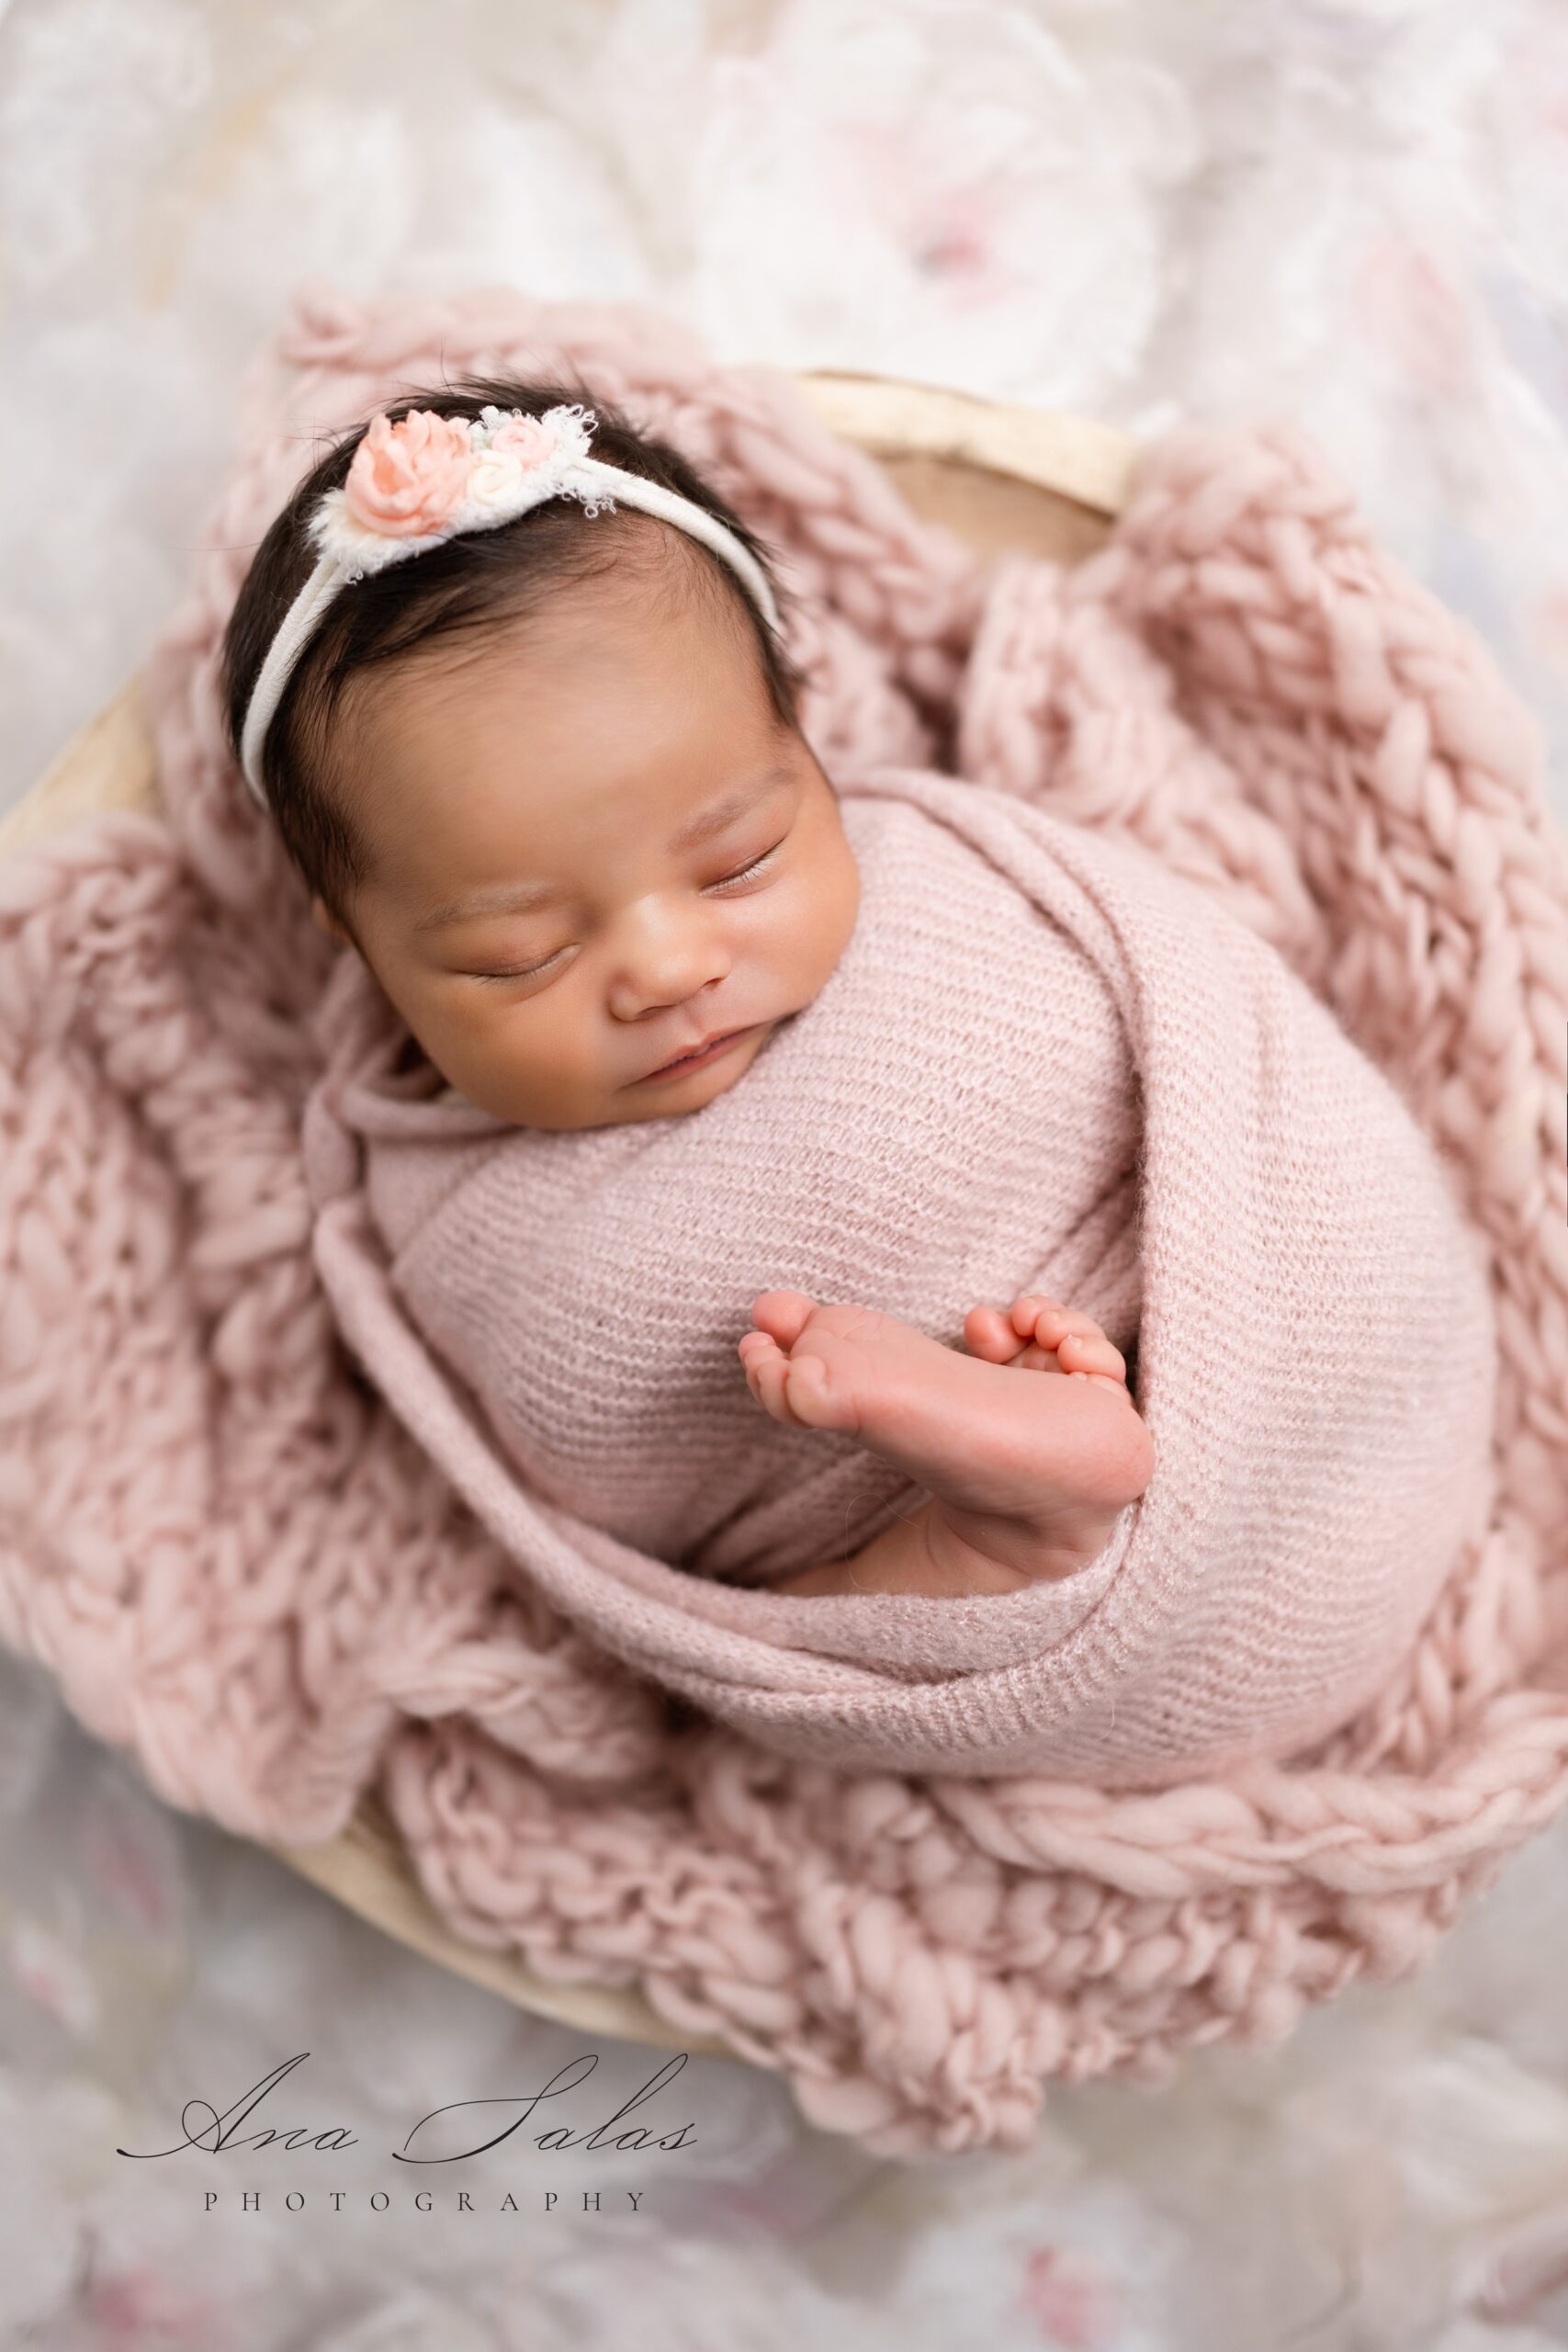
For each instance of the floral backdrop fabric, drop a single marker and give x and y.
(1352, 211)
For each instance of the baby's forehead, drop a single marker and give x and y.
(654, 582)
(673, 637)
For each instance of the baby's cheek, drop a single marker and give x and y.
(830, 903)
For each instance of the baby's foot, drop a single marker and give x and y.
(1029, 1474)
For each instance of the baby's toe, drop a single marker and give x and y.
(988, 1333)
(799, 1391)
(782, 1314)
(1076, 1340)
(811, 1394)
(1075, 1352)
(766, 1368)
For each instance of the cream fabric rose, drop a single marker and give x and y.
(495, 480)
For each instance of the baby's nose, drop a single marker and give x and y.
(665, 971)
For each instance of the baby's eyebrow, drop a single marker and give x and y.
(713, 819)
(513, 898)
(521, 898)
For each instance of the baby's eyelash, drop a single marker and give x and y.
(521, 972)
(527, 971)
(757, 863)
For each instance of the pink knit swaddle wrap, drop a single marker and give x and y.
(957, 1115)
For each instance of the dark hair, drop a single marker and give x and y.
(474, 580)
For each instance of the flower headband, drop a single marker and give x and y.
(419, 482)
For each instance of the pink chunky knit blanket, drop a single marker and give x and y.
(243, 1567)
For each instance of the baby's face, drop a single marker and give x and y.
(574, 757)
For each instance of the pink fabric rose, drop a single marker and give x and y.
(527, 438)
(407, 477)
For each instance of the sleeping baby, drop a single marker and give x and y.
(780, 1163)
(551, 783)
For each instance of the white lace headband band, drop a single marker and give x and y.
(419, 482)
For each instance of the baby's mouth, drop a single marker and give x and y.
(710, 1052)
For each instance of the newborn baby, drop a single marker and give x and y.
(706, 1157)
(549, 782)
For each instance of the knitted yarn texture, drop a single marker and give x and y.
(1043, 1062)
(243, 1569)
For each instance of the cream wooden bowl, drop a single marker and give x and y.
(999, 476)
